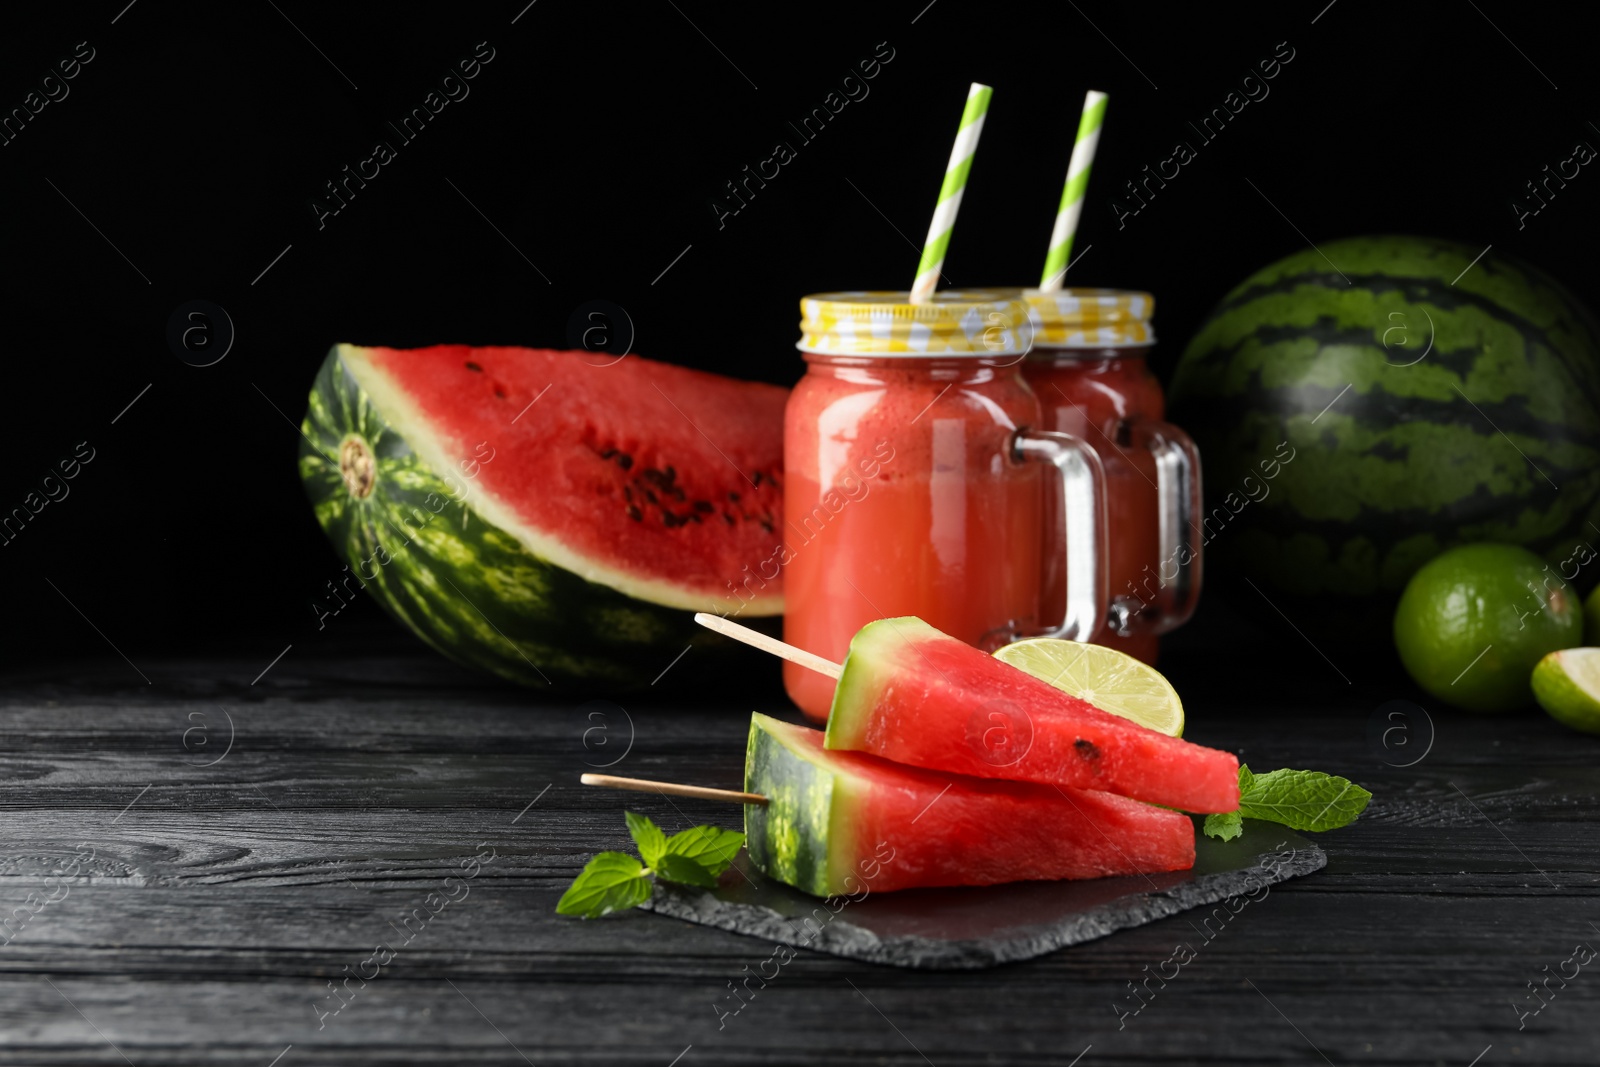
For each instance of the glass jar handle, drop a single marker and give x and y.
(1083, 496)
(1178, 492)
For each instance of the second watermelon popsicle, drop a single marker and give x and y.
(912, 694)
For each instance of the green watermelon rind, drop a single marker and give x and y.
(1349, 516)
(471, 590)
(802, 835)
(875, 654)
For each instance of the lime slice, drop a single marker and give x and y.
(1112, 681)
(1567, 685)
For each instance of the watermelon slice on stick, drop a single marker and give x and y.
(841, 822)
(909, 693)
(831, 823)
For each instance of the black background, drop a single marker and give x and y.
(593, 143)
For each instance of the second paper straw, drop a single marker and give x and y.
(955, 183)
(1055, 264)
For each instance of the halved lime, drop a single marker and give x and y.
(1112, 681)
(1567, 685)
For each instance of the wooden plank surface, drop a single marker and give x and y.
(222, 899)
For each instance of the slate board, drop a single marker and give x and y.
(969, 928)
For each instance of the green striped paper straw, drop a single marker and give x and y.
(1055, 264)
(955, 183)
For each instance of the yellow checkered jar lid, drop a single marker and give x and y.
(1090, 318)
(954, 323)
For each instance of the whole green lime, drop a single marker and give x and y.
(1474, 621)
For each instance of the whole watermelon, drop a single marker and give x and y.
(1363, 407)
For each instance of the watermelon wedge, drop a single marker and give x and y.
(846, 822)
(542, 517)
(912, 694)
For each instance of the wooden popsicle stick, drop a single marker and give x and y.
(755, 639)
(645, 785)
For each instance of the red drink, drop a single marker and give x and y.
(1088, 367)
(908, 486)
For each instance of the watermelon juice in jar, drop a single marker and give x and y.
(1088, 367)
(913, 480)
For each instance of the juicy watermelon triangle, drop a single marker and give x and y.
(846, 822)
(914, 695)
(657, 481)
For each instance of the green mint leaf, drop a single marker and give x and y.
(676, 868)
(1302, 800)
(710, 846)
(1227, 825)
(647, 836)
(612, 881)
(1245, 778)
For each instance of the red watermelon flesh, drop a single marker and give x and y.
(843, 822)
(659, 481)
(915, 695)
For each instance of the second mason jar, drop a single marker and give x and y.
(912, 474)
(1088, 367)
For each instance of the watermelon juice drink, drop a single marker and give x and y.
(1088, 367)
(913, 480)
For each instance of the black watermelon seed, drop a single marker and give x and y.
(1086, 748)
(702, 505)
(608, 453)
(733, 496)
(651, 496)
(624, 460)
(499, 392)
(474, 367)
(635, 514)
(669, 520)
(725, 515)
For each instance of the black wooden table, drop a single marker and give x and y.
(192, 869)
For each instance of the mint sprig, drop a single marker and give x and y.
(711, 846)
(647, 837)
(612, 881)
(616, 881)
(1228, 825)
(682, 869)
(1300, 800)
